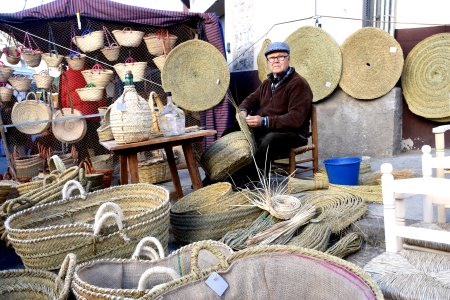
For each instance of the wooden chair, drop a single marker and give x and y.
(436, 191)
(439, 140)
(294, 165)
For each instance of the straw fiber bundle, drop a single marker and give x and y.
(296, 185)
(411, 274)
(427, 244)
(261, 61)
(275, 272)
(76, 62)
(314, 236)
(425, 79)
(126, 275)
(347, 245)
(38, 284)
(132, 124)
(370, 193)
(317, 57)
(42, 235)
(215, 221)
(372, 62)
(31, 111)
(197, 74)
(375, 177)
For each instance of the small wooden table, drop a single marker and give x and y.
(129, 162)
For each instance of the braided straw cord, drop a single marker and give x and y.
(411, 274)
(370, 193)
(347, 245)
(86, 284)
(268, 252)
(314, 236)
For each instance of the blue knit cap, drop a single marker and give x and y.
(277, 47)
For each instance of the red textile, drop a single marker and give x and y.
(76, 80)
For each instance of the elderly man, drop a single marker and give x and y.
(279, 111)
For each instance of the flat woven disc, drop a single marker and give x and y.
(261, 60)
(372, 62)
(426, 78)
(197, 74)
(317, 57)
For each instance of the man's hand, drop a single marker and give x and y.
(253, 121)
(243, 113)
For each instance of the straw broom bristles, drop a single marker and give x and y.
(296, 185)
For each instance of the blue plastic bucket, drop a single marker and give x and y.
(343, 170)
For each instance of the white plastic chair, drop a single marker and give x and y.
(436, 190)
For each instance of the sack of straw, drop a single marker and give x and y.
(160, 43)
(98, 76)
(136, 68)
(89, 41)
(20, 83)
(128, 37)
(76, 61)
(53, 59)
(133, 277)
(5, 94)
(12, 55)
(30, 111)
(38, 284)
(5, 72)
(43, 80)
(44, 234)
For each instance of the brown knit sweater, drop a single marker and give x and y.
(288, 107)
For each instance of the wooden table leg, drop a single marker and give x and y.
(192, 166)
(123, 169)
(133, 167)
(174, 171)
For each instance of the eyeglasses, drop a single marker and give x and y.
(277, 58)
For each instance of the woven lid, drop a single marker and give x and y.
(197, 74)
(372, 62)
(261, 60)
(317, 57)
(426, 78)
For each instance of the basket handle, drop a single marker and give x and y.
(50, 179)
(66, 274)
(205, 245)
(127, 29)
(70, 186)
(140, 246)
(97, 67)
(31, 93)
(16, 203)
(130, 60)
(108, 205)
(119, 222)
(86, 32)
(109, 35)
(155, 270)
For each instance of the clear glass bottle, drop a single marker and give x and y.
(172, 119)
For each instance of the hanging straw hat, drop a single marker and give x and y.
(263, 70)
(197, 74)
(425, 79)
(316, 56)
(372, 62)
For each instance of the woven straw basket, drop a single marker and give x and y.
(76, 62)
(12, 55)
(99, 77)
(160, 61)
(104, 161)
(38, 284)
(159, 44)
(131, 284)
(28, 166)
(52, 59)
(104, 131)
(154, 172)
(128, 37)
(20, 83)
(273, 272)
(5, 94)
(43, 81)
(261, 61)
(32, 57)
(89, 41)
(133, 124)
(5, 72)
(137, 68)
(138, 210)
(111, 52)
(31, 111)
(91, 93)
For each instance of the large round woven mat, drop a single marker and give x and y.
(31, 111)
(426, 78)
(69, 131)
(261, 61)
(197, 74)
(372, 62)
(317, 57)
